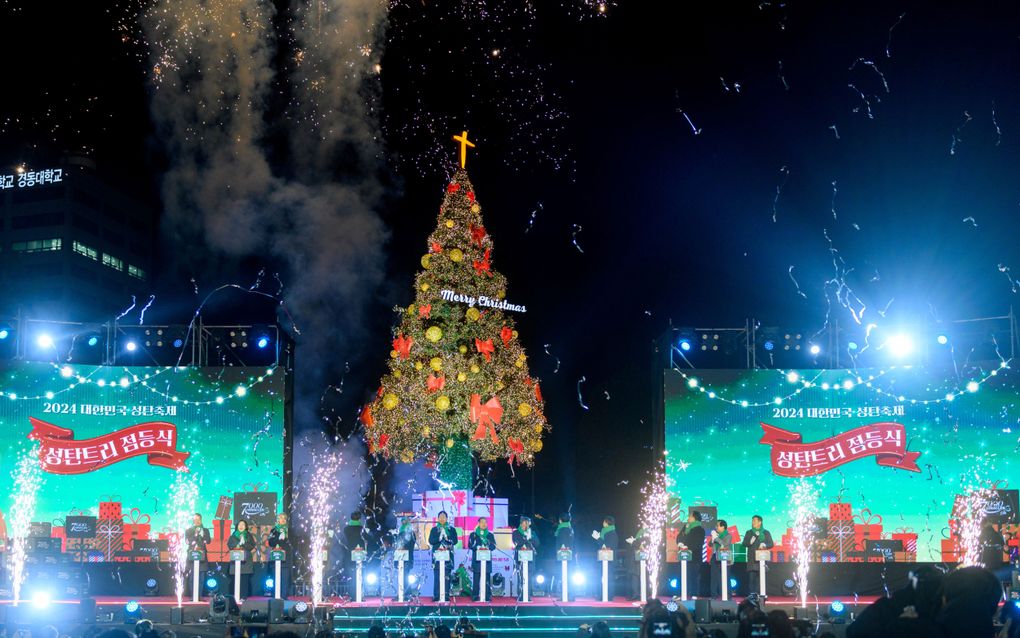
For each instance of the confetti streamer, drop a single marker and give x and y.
(971, 220)
(888, 42)
(141, 315)
(835, 131)
(128, 309)
(832, 206)
(782, 77)
(557, 368)
(1004, 269)
(995, 123)
(956, 134)
(864, 99)
(785, 172)
(874, 67)
(534, 214)
(797, 285)
(580, 399)
(576, 230)
(694, 129)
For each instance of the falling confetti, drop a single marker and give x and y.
(580, 399)
(576, 229)
(141, 315)
(888, 42)
(694, 129)
(832, 206)
(557, 368)
(970, 220)
(782, 77)
(785, 172)
(956, 134)
(128, 309)
(797, 285)
(534, 214)
(835, 131)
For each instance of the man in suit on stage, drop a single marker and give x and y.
(692, 537)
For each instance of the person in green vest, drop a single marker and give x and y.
(442, 537)
(481, 538)
(722, 541)
(607, 538)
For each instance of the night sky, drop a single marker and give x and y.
(890, 128)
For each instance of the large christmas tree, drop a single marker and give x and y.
(458, 381)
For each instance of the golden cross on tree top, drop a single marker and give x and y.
(464, 144)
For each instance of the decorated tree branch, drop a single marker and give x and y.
(458, 382)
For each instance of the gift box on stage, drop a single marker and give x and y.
(855, 556)
(136, 527)
(497, 510)
(109, 538)
(950, 550)
(455, 503)
(840, 512)
(905, 557)
(111, 509)
(867, 527)
(828, 556)
(255, 505)
(57, 531)
(39, 530)
(908, 537)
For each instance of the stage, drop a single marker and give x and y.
(502, 617)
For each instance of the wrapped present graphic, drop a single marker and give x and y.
(876, 559)
(828, 556)
(867, 526)
(136, 527)
(854, 556)
(109, 538)
(110, 508)
(840, 511)
(908, 536)
(950, 550)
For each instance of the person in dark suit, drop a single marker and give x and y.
(197, 538)
(992, 548)
(564, 533)
(754, 539)
(692, 537)
(524, 538)
(442, 537)
(352, 537)
(243, 540)
(722, 541)
(481, 538)
(607, 538)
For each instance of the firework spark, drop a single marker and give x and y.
(804, 496)
(182, 506)
(653, 522)
(321, 495)
(969, 511)
(27, 478)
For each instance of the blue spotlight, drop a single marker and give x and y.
(44, 341)
(130, 346)
(815, 349)
(685, 344)
(132, 606)
(270, 582)
(733, 583)
(852, 346)
(4, 333)
(836, 608)
(674, 583)
(178, 342)
(942, 339)
(262, 342)
(769, 345)
(212, 584)
(93, 340)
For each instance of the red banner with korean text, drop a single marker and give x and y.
(60, 453)
(792, 457)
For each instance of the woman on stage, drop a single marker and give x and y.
(481, 538)
(442, 537)
(243, 540)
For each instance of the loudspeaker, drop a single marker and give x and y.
(275, 611)
(724, 610)
(176, 615)
(87, 611)
(703, 610)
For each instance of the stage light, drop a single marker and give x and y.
(178, 342)
(44, 341)
(498, 584)
(836, 607)
(900, 345)
(973, 386)
(41, 599)
(942, 340)
(211, 585)
(733, 584)
(412, 579)
(267, 586)
(815, 349)
(133, 612)
(836, 612)
(262, 342)
(672, 605)
(674, 583)
(769, 345)
(372, 578)
(792, 376)
(4, 333)
(539, 588)
(151, 587)
(577, 578)
(301, 612)
(218, 608)
(851, 346)
(685, 345)
(789, 587)
(93, 341)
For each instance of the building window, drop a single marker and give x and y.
(113, 262)
(136, 272)
(36, 245)
(88, 251)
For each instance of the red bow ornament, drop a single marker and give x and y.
(425, 312)
(478, 233)
(383, 440)
(506, 334)
(453, 187)
(471, 196)
(366, 417)
(484, 266)
(435, 247)
(538, 392)
(516, 448)
(486, 416)
(434, 383)
(403, 345)
(485, 347)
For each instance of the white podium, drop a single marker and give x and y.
(483, 555)
(237, 556)
(763, 556)
(685, 557)
(564, 555)
(277, 556)
(400, 557)
(642, 558)
(525, 556)
(442, 556)
(725, 556)
(196, 568)
(605, 557)
(359, 556)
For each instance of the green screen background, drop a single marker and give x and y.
(726, 465)
(233, 444)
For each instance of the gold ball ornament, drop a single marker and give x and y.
(406, 457)
(519, 363)
(390, 401)
(436, 364)
(537, 445)
(499, 386)
(425, 259)
(418, 365)
(473, 314)
(434, 334)
(456, 255)
(475, 208)
(443, 402)
(461, 377)
(501, 294)
(449, 443)
(393, 354)
(524, 409)
(425, 287)
(397, 374)
(462, 349)
(449, 223)
(475, 368)
(514, 333)
(538, 428)
(425, 431)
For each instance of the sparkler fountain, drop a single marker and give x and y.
(182, 507)
(27, 479)
(804, 496)
(322, 491)
(653, 520)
